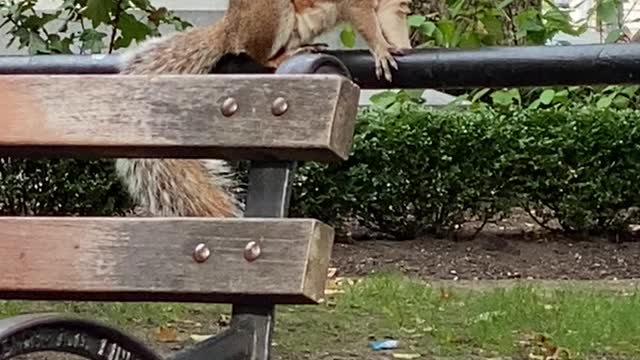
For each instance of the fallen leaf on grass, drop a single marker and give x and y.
(542, 348)
(331, 288)
(165, 334)
(406, 356)
(445, 294)
(199, 338)
(334, 283)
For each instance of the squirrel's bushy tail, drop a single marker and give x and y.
(178, 187)
(168, 187)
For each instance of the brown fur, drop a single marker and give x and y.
(264, 30)
(392, 15)
(315, 17)
(302, 5)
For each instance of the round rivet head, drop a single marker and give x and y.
(229, 107)
(279, 106)
(201, 253)
(252, 251)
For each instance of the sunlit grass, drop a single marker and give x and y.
(426, 320)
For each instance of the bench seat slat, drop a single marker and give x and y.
(151, 259)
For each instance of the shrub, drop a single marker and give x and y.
(60, 187)
(414, 170)
(582, 164)
(410, 171)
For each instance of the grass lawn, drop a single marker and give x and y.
(430, 321)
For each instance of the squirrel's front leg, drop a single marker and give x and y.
(392, 15)
(362, 15)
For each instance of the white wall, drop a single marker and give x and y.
(631, 12)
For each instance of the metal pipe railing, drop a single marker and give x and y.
(426, 68)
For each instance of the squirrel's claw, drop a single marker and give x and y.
(384, 60)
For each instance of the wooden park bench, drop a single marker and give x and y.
(254, 262)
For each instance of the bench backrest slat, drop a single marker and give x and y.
(177, 116)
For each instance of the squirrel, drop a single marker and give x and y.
(268, 31)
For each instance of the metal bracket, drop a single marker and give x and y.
(250, 332)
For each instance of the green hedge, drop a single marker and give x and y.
(60, 187)
(415, 171)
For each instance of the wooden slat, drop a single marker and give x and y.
(177, 116)
(151, 259)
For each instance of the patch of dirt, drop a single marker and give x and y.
(511, 249)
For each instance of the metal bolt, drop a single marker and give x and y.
(279, 106)
(229, 106)
(201, 253)
(252, 251)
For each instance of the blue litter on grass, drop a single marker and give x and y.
(384, 345)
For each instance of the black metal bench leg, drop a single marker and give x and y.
(268, 196)
(270, 184)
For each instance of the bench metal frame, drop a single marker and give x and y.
(249, 335)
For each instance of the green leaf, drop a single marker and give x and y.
(621, 102)
(493, 26)
(142, 4)
(503, 98)
(414, 94)
(93, 40)
(535, 104)
(98, 11)
(503, 4)
(613, 36)
(630, 90)
(470, 40)
(607, 11)
(547, 96)
(455, 9)
(528, 21)
(416, 20)
(35, 22)
(604, 102)
(428, 28)
(60, 45)
(480, 94)
(37, 45)
(348, 36)
(131, 29)
(383, 99)
(447, 31)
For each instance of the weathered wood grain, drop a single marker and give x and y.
(151, 259)
(177, 116)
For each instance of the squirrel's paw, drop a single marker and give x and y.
(385, 61)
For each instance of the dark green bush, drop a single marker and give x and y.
(584, 165)
(60, 187)
(414, 170)
(410, 171)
